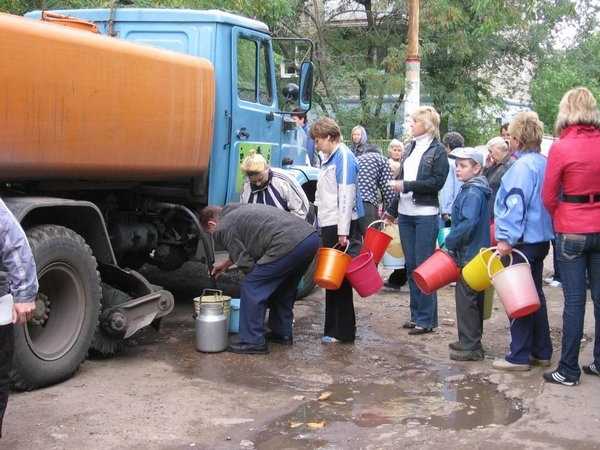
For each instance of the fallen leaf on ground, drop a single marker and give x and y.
(316, 425)
(324, 396)
(296, 424)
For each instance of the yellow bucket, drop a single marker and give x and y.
(475, 272)
(488, 302)
(395, 247)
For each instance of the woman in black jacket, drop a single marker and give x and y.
(422, 175)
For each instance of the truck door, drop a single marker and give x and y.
(254, 127)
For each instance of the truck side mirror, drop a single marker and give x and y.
(306, 85)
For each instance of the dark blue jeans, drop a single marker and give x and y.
(578, 255)
(418, 236)
(530, 335)
(274, 284)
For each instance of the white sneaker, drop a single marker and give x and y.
(555, 283)
(548, 280)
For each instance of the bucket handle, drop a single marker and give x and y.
(218, 293)
(489, 265)
(338, 245)
(374, 222)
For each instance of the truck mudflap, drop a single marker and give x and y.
(146, 302)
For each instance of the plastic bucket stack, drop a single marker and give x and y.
(436, 272)
(516, 288)
(331, 267)
(376, 242)
(363, 275)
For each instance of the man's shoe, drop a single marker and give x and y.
(409, 324)
(420, 330)
(591, 369)
(467, 355)
(248, 349)
(329, 340)
(457, 346)
(539, 362)
(503, 364)
(279, 339)
(558, 378)
(555, 284)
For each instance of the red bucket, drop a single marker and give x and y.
(376, 242)
(493, 235)
(363, 275)
(436, 272)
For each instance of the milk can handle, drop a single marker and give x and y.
(218, 293)
(338, 245)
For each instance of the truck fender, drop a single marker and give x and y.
(81, 216)
(307, 178)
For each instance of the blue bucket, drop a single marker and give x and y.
(234, 315)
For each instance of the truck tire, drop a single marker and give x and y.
(307, 282)
(50, 348)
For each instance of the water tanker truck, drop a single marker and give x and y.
(117, 126)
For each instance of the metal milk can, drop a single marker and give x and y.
(211, 328)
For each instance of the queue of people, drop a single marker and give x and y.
(529, 199)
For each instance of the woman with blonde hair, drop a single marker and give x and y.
(522, 222)
(422, 174)
(571, 194)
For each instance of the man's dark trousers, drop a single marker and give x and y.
(7, 346)
(275, 284)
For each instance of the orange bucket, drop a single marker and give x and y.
(436, 272)
(331, 267)
(375, 242)
(363, 275)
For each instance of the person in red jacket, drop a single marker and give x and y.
(571, 194)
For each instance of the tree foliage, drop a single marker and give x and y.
(562, 70)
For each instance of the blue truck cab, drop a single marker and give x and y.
(247, 111)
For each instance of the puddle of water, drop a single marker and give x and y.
(465, 404)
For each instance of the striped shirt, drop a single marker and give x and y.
(281, 191)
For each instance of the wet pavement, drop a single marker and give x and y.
(388, 390)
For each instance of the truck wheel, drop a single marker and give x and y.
(307, 282)
(52, 346)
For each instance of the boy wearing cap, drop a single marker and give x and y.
(469, 233)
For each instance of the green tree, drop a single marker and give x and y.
(562, 70)
(466, 46)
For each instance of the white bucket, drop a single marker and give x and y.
(391, 262)
(6, 309)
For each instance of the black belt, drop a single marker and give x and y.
(591, 198)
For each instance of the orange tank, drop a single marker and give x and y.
(74, 104)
